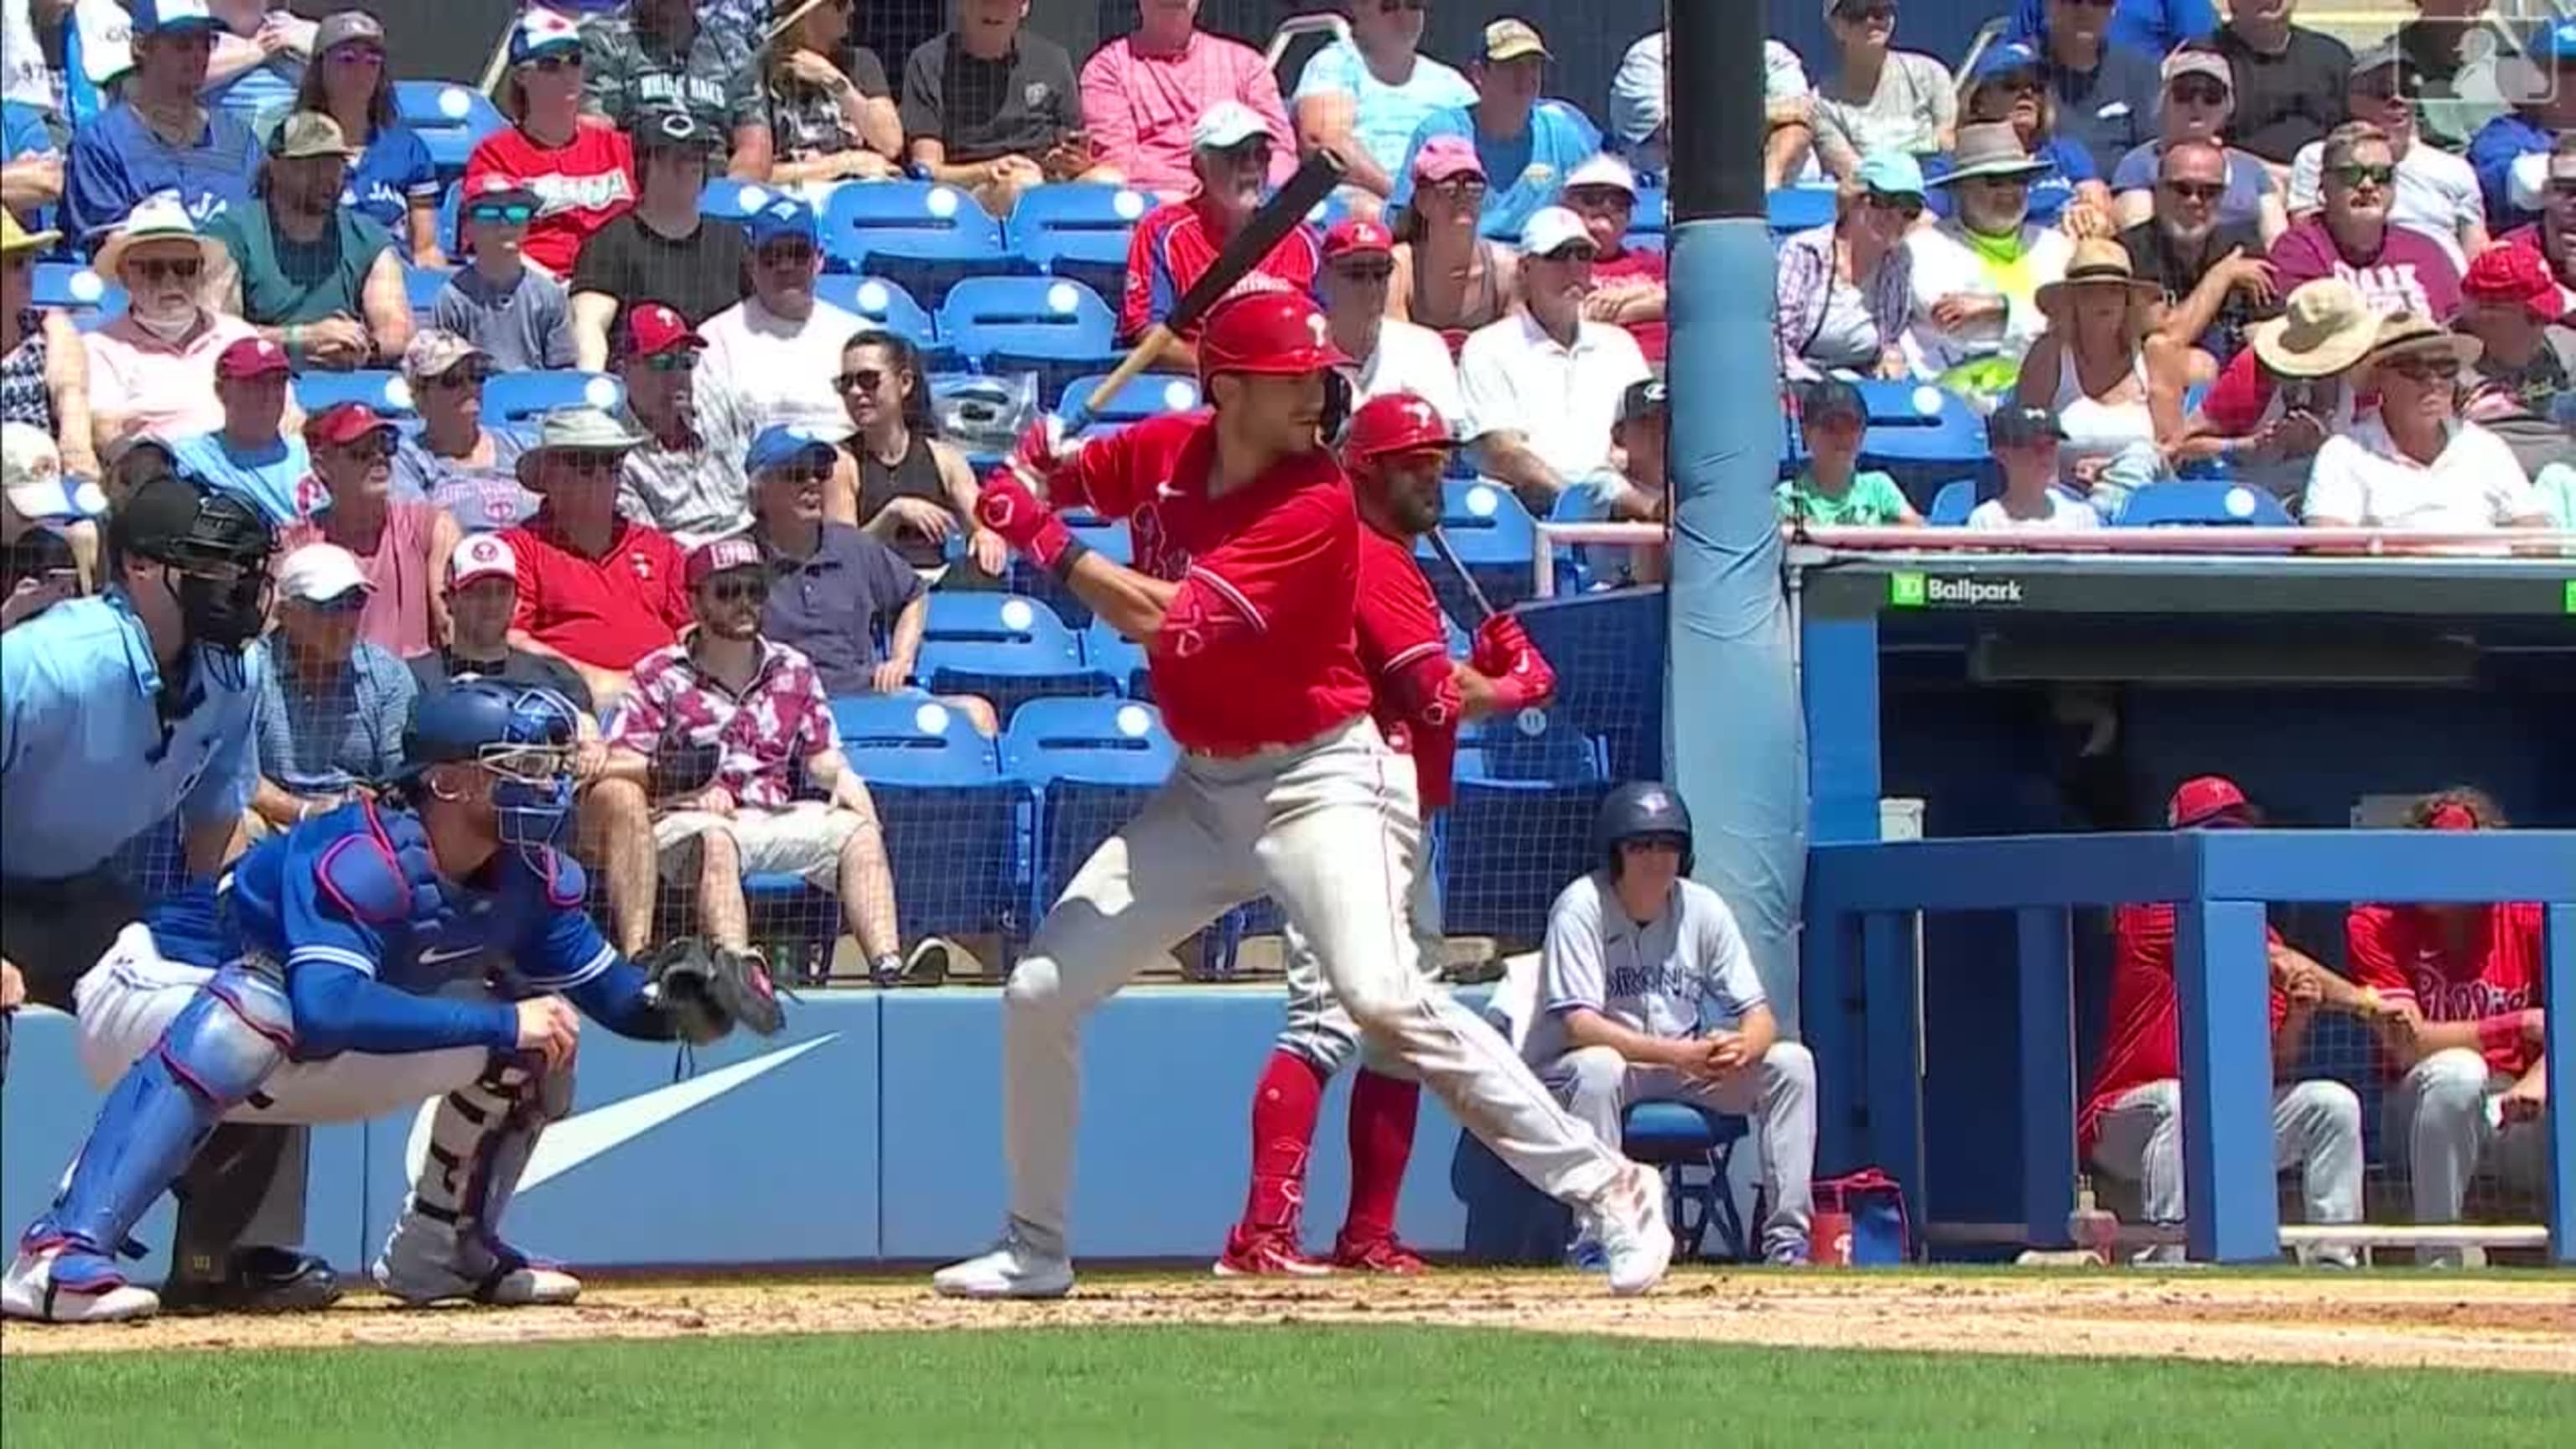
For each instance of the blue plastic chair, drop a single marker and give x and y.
(728, 199)
(1150, 395)
(952, 820)
(1092, 763)
(449, 118)
(510, 397)
(1648, 221)
(451, 218)
(423, 284)
(1122, 659)
(1078, 229)
(926, 236)
(884, 304)
(1920, 434)
(1051, 326)
(1799, 208)
(1691, 1146)
(73, 288)
(386, 392)
(2189, 501)
(1009, 648)
(1519, 824)
(1494, 538)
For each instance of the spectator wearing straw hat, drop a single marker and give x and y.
(44, 370)
(2277, 401)
(1144, 92)
(1526, 146)
(2114, 384)
(401, 545)
(316, 278)
(1976, 277)
(152, 369)
(161, 136)
(2519, 388)
(2417, 464)
(596, 590)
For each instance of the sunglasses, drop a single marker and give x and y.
(588, 460)
(801, 474)
(1366, 272)
(1903, 205)
(456, 378)
(679, 359)
(864, 381)
(1389, 7)
(1459, 188)
(1600, 198)
(740, 589)
(1871, 10)
(2001, 183)
(2562, 191)
(2424, 369)
(507, 213)
(160, 270)
(2199, 92)
(2195, 190)
(356, 55)
(549, 64)
(374, 448)
(787, 254)
(2355, 175)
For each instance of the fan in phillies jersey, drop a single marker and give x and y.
(1247, 551)
(1176, 243)
(2463, 1042)
(430, 944)
(1397, 448)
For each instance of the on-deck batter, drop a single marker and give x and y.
(1247, 553)
(1398, 446)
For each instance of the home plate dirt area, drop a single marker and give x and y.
(2485, 1321)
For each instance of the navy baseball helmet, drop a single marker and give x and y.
(523, 736)
(1641, 810)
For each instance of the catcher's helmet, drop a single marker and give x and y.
(1640, 810)
(522, 735)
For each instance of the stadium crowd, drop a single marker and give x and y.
(233, 267)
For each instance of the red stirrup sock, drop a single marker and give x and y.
(1382, 1113)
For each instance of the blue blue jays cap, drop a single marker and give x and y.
(2004, 59)
(783, 217)
(781, 444)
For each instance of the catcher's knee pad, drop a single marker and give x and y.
(211, 1058)
(482, 1135)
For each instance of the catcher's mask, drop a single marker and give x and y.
(523, 738)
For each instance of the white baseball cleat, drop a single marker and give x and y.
(425, 1262)
(1627, 1219)
(1013, 1269)
(32, 1291)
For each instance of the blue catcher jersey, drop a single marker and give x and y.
(358, 888)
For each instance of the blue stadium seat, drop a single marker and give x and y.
(1520, 826)
(1122, 659)
(386, 392)
(510, 397)
(449, 118)
(2190, 501)
(1494, 538)
(72, 287)
(1006, 647)
(1919, 434)
(423, 284)
(1139, 398)
(1647, 223)
(1055, 328)
(1092, 763)
(1079, 230)
(1690, 1146)
(952, 820)
(1800, 208)
(886, 304)
(920, 234)
(1574, 505)
(728, 199)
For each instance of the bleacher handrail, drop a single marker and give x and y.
(1297, 25)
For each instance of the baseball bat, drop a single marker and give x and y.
(1287, 207)
(1440, 545)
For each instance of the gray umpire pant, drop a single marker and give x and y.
(1598, 1085)
(247, 1185)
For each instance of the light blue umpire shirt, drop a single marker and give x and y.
(84, 763)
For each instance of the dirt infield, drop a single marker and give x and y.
(2524, 1324)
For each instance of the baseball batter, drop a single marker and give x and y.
(371, 957)
(1247, 551)
(1396, 450)
(1635, 953)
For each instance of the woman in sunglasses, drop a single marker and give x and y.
(1845, 290)
(1879, 98)
(44, 371)
(580, 167)
(1447, 277)
(915, 490)
(392, 183)
(2417, 465)
(2200, 98)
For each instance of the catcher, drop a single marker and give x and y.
(429, 944)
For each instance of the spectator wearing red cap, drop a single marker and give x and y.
(686, 477)
(152, 367)
(401, 546)
(1231, 152)
(2553, 236)
(1394, 355)
(2462, 1032)
(2131, 1122)
(1448, 277)
(596, 590)
(317, 278)
(722, 725)
(664, 250)
(482, 596)
(1627, 282)
(2518, 389)
(1143, 93)
(253, 454)
(517, 316)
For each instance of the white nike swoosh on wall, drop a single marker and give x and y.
(585, 1135)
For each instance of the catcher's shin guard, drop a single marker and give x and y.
(447, 1244)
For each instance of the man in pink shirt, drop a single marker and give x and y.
(401, 548)
(1142, 94)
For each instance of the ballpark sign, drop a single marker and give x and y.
(1915, 590)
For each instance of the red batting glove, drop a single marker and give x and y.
(1503, 653)
(1042, 448)
(1010, 509)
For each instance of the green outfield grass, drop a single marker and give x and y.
(1262, 1386)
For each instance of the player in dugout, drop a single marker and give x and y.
(1398, 447)
(430, 943)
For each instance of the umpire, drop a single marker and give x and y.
(116, 713)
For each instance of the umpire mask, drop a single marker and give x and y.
(217, 572)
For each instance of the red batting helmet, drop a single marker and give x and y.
(1273, 331)
(1393, 423)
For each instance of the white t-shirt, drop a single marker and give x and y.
(2065, 511)
(1656, 977)
(2437, 193)
(1944, 265)
(2360, 478)
(24, 77)
(1514, 377)
(788, 370)
(1411, 358)
(1915, 98)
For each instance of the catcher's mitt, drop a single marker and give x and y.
(706, 990)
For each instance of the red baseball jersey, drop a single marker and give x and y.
(606, 612)
(1257, 649)
(1398, 622)
(2401, 951)
(2145, 1041)
(581, 185)
(1172, 247)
